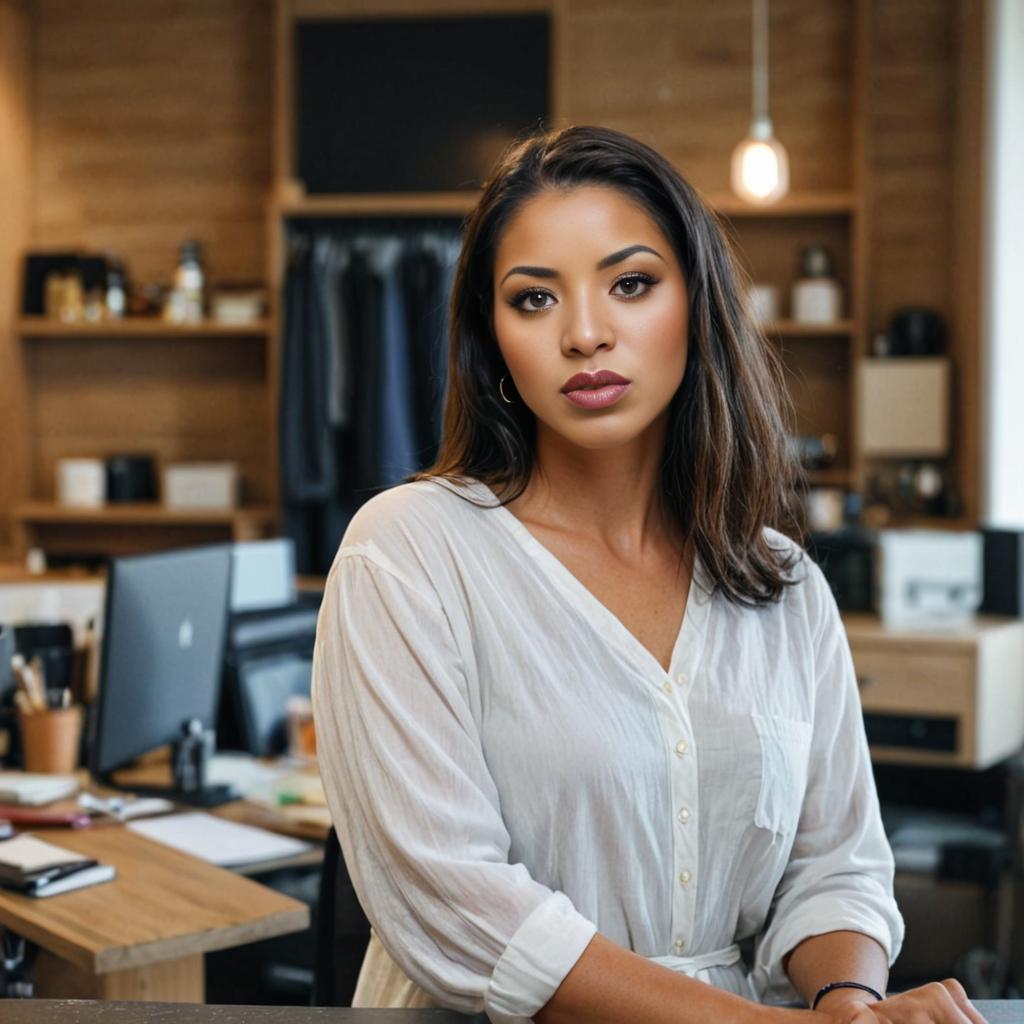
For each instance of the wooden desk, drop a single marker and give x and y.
(143, 935)
(46, 1011)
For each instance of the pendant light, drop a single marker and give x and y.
(760, 167)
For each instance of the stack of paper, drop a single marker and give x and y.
(37, 868)
(26, 788)
(218, 841)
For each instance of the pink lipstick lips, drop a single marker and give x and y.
(595, 390)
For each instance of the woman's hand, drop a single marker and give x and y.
(940, 1002)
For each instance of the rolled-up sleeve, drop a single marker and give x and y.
(839, 876)
(416, 810)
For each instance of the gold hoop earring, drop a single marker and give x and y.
(501, 390)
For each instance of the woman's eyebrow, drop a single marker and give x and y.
(622, 254)
(608, 261)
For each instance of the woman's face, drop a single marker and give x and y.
(585, 281)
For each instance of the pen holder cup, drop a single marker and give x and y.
(50, 739)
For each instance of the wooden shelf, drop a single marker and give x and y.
(837, 477)
(138, 327)
(792, 329)
(806, 204)
(381, 203)
(146, 514)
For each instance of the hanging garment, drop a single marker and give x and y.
(364, 367)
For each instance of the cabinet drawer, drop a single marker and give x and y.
(920, 684)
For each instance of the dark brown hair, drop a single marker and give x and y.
(727, 470)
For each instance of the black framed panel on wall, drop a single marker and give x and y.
(415, 104)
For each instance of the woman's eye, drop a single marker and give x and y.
(634, 285)
(530, 301)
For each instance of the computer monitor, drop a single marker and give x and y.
(163, 648)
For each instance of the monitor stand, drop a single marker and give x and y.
(209, 796)
(192, 753)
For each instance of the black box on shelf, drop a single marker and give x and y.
(1003, 572)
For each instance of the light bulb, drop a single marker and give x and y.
(760, 167)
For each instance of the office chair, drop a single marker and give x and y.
(342, 932)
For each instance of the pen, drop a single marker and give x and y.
(27, 680)
(37, 883)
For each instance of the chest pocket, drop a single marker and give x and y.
(785, 751)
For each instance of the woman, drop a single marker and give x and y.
(587, 719)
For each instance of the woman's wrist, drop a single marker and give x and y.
(842, 996)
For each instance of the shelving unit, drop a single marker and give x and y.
(891, 205)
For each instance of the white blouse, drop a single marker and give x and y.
(509, 769)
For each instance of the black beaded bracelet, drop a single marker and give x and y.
(822, 992)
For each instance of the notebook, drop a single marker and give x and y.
(37, 868)
(35, 789)
(77, 879)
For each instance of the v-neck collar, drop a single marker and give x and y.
(689, 640)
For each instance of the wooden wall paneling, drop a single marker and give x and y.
(968, 186)
(151, 127)
(15, 225)
(678, 76)
(912, 131)
(860, 283)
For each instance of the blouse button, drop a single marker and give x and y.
(681, 679)
(679, 945)
(667, 687)
(682, 747)
(684, 877)
(684, 815)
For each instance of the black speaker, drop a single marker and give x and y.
(1004, 572)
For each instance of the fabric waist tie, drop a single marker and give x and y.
(694, 966)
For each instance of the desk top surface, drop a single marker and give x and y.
(59, 1011)
(161, 906)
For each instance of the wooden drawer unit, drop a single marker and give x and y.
(951, 699)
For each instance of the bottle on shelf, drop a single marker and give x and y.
(186, 303)
(116, 297)
(817, 297)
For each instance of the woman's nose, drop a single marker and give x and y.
(588, 328)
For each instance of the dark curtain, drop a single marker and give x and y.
(364, 364)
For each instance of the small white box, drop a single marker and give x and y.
(928, 577)
(903, 407)
(201, 485)
(81, 482)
